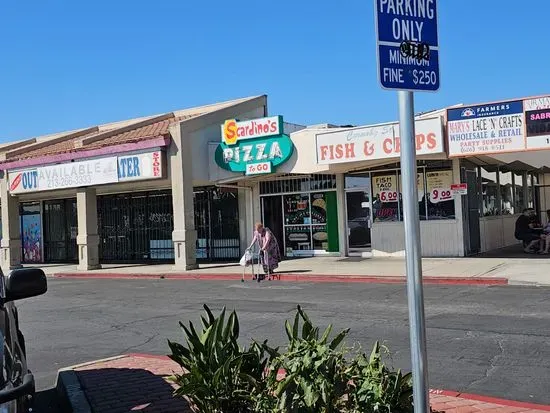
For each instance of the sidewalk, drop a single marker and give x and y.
(137, 383)
(488, 271)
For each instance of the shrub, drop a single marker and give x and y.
(219, 376)
(375, 388)
(316, 371)
(322, 375)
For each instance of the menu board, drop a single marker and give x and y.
(320, 237)
(439, 186)
(298, 238)
(384, 188)
(297, 209)
(318, 208)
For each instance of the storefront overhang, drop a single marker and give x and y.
(155, 143)
(534, 159)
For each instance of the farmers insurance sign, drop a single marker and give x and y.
(253, 147)
(486, 129)
(376, 142)
(87, 173)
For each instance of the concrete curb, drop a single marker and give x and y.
(315, 278)
(72, 396)
(69, 389)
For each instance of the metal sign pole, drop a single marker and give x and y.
(413, 255)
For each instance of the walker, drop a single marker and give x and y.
(256, 262)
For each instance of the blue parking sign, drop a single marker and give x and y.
(407, 44)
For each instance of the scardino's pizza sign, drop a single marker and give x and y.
(253, 147)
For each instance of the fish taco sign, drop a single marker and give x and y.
(253, 147)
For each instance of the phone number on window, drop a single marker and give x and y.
(69, 181)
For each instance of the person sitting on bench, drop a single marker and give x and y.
(526, 232)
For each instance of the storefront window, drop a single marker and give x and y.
(296, 209)
(441, 204)
(31, 232)
(519, 193)
(357, 182)
(490, 191)
(420, 188)
(298, 184)
(297, 238)
(385, 197)
(506, 193)
(310, 222)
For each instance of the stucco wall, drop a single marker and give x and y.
(438, 239)
(497, 232)
(204, 141)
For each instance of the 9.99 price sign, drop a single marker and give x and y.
(440, 195)
(388, 196)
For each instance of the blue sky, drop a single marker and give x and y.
(70, 64)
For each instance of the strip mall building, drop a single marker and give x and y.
(187, 186)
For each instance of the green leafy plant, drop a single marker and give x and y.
(316, 374)
(218, 375)
(376, 388)
(321, 374)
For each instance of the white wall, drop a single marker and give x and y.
(439, 239)
(304, 157)
(497, 232)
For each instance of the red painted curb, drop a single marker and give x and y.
(435, 392)
(291, 278)
(504, 402)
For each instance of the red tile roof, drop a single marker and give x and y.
(132, 131)
(155, 130)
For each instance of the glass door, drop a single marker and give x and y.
(31, 232)
(272, 213)
(358, 209)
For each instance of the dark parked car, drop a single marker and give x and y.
(16, 381)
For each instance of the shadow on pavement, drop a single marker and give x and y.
(46, 401)
(126, 389)
(290, 272)
(513, 251)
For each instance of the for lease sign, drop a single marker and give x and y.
(91, 172)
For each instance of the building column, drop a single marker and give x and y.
(256, 205)
(342, 224)
(184, 235)
(88, 238)
(246, 219)
(10, 244)
(462, 224)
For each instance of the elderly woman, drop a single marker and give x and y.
(270, 255)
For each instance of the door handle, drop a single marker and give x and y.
(25, 389)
